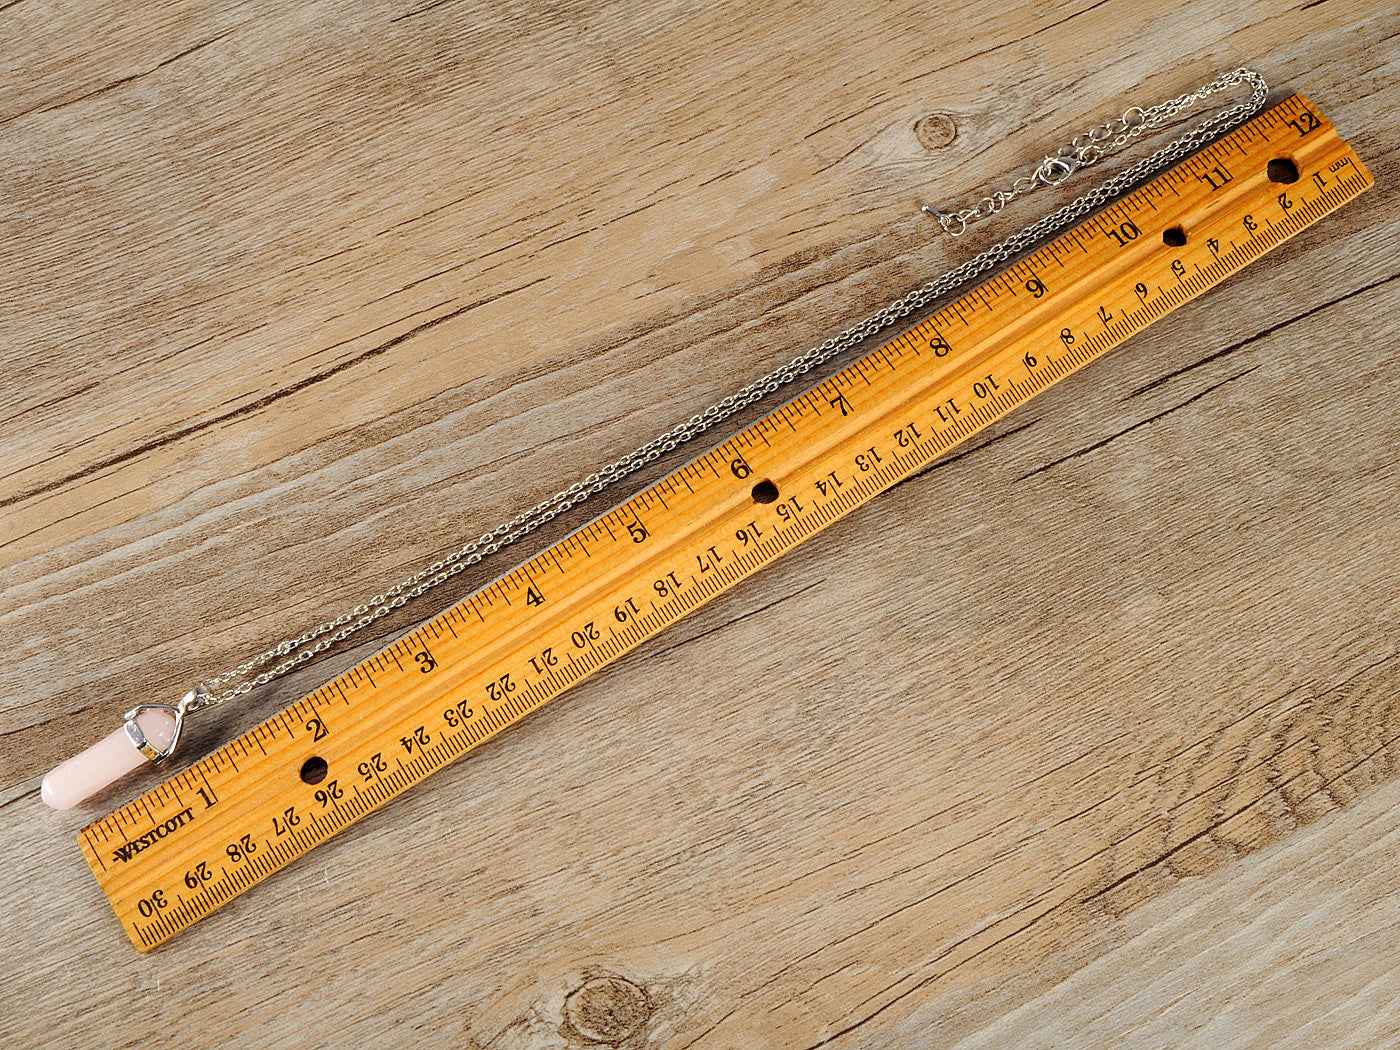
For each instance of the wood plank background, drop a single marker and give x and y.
(1085, 738)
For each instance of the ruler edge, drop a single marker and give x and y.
(1293, 100)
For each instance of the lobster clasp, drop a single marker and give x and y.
(1054, 170)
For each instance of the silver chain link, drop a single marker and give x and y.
(1083, 151)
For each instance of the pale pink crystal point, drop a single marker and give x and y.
(106, 762)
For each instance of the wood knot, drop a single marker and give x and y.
(936, 130)
(607, 1009)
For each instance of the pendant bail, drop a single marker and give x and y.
(138, 738)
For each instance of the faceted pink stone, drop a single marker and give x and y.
(106, 762)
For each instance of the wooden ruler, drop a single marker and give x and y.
(176, 853)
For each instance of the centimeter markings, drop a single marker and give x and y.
(178, 852)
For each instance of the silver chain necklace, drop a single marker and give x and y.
(1082, 151)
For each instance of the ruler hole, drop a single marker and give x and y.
(1175, 237)
(314, 770)
(765, 492)
(1283, 169)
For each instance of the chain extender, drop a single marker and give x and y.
(1088, 148)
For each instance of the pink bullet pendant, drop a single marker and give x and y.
(148, 735)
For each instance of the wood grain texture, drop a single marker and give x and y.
(299, 297)
(446, 687)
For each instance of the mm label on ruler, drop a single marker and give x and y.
(178, 852)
